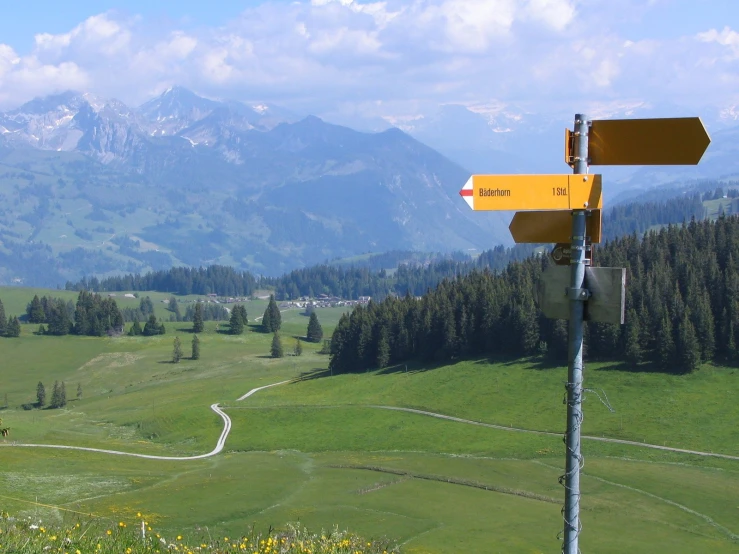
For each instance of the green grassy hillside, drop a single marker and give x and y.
(324, 451)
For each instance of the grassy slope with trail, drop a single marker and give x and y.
(312, 451)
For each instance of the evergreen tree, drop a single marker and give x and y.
(383, 349)
(272, 320)
(35, 311)
(177, 351)
(174, 307)
(197, 318)
(195, 348)
(79, 391)
(666, 342)
(298, 350)
(56, 396)
(236, 322)
(276, 349)
(688, 348)
(41, 330)
(315, 331)
(40, 395)
(3, 320)
(62, 395)
(135, 329)
(14, 327)
(151, 327)
(633, 351)
(57, 317)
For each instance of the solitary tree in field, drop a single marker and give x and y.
(40, 395)
(298, 350)
(177, 351)
(315, 331)
(272, 320)
(236, 322)
(195, 348)
(276, 349)
(197, 318)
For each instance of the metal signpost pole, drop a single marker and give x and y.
(577, 296)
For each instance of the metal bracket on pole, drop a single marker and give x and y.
(578, 294)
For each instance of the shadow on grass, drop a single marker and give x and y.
(310, 375)
(184, 330)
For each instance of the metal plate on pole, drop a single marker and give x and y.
(668, 141)
(543, 227)
(607, 286)
(533, 192)
(560, 254)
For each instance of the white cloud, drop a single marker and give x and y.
(727, 37)
(379, 57)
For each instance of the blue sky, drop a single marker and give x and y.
(394, 59)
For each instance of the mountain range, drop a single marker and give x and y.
(90, 185)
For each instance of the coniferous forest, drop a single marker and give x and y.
(682, 309)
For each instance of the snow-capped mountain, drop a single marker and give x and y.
(110, 131)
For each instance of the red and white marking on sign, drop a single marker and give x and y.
(467, 193)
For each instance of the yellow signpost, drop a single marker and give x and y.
(555, 226)
(566, 209)
(533, 192)
(667, 141)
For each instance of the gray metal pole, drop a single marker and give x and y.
(574, 387)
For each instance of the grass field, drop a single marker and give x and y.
(322, 451)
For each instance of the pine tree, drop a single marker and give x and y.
(298, 350)
(177, 351)
(174, 307)
(36, 311)
(135, 329)
(236, 322)
(55, 396)
(3, 320)
(62, 395)
(195, 348)
(383, 349)
(315, 331)
(197, 318)
(40, 395)
(14, 327)
(272, 320)
(151, 327)
(666, 344)
(276, 349)
(633, 351)
(688, 346)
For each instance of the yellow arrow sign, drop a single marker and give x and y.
(533, 192)
(667, 141)
(542, 227)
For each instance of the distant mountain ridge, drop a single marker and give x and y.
(103, 188)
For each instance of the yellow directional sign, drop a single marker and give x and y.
(668, 141)
(533, 192)
(542, 227)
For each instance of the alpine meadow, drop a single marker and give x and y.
(322, 277)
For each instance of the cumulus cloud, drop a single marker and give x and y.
(372, 57)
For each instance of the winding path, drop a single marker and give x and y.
(227, 429)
